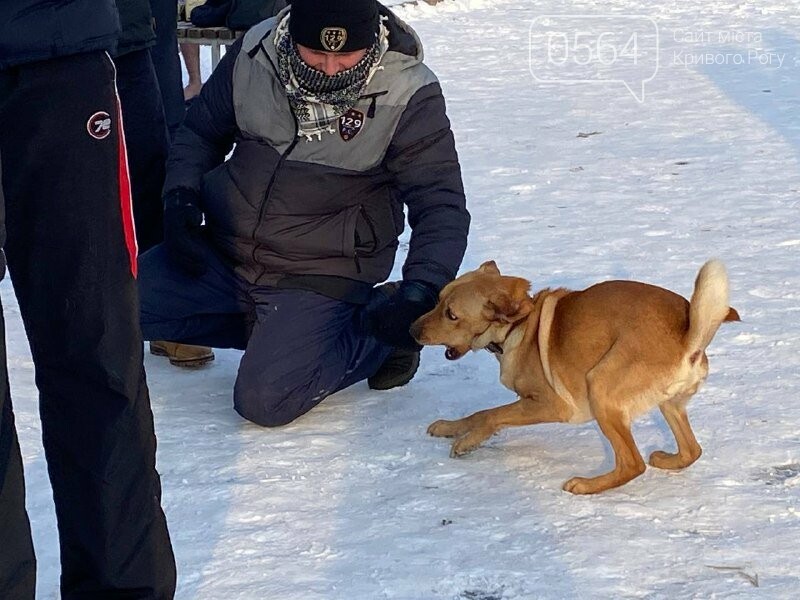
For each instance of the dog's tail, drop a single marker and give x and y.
(708, 308)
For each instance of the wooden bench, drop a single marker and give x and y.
(208, 36)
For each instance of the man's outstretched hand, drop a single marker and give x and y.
(390, 320)
(182, 231)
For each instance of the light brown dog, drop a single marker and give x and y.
(609, 353)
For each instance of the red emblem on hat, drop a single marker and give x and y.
(350, 123)
(99, 125)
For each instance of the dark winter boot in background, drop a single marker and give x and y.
(397, 370)
(182, 355)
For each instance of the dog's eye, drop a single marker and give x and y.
(450, 315)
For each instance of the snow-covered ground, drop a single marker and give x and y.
(354, 501)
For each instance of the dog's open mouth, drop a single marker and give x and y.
(453, 353)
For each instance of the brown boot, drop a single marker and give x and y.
(182, 355)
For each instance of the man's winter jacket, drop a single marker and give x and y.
(292, 212)
(34, 30)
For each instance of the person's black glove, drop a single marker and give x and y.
(390, 320)
(182, 231)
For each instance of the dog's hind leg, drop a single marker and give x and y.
(628, 461)
(471, 431)
(605, 388)
(689, 450)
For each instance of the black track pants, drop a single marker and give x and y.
(72, 258)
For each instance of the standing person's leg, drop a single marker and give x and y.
(167, 62)
(72, 258)
(303, 348)
(17, 561)
(147, 140)
(191, 58)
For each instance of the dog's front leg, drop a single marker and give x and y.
(471, 431)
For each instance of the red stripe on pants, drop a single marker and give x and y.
(125, 197)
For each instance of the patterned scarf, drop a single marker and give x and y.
(318, 100)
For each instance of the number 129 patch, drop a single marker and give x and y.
(350, 123)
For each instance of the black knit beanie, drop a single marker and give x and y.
(334, 25)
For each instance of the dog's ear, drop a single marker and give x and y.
(489, 267)
(509, 302)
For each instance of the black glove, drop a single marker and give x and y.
(182, 231)
(390, 320)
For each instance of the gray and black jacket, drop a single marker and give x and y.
(325, 214)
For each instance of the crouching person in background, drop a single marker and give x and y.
(337, 125)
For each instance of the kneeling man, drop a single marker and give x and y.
(336, 125)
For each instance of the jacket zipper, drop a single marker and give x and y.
(274, 176)
(265, 201)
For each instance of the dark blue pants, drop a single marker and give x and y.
(300, 346)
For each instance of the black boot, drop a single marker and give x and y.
(398, 369)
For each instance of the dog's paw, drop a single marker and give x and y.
(442, 428)
(579, 485)
(462, 446)
(662, 460)
(469, 441)
(665, 460)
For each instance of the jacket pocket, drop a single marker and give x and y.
(365, 237)
(344, 233)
